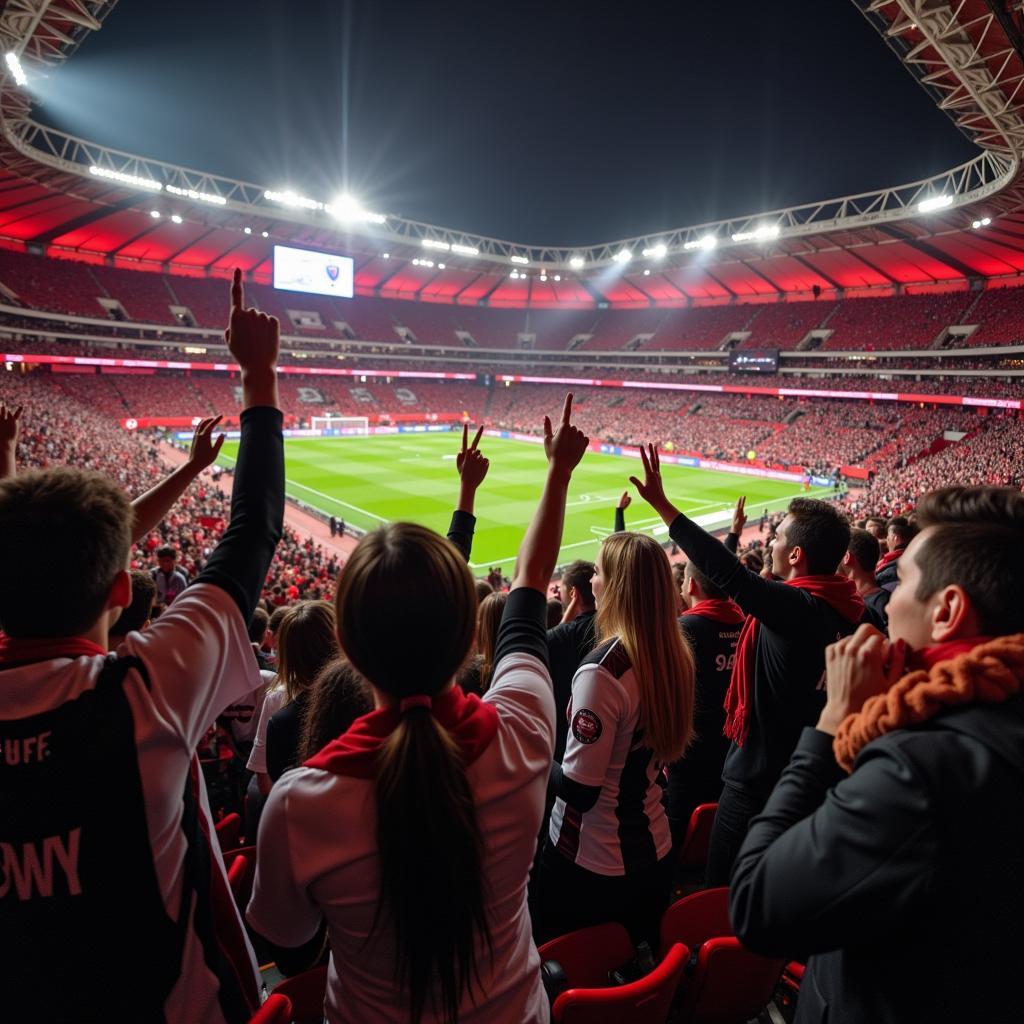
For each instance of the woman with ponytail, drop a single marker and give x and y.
(609, 852)
(413, 832)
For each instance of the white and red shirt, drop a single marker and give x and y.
(626, 831)
(318, 858)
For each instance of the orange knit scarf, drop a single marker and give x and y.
(989, 674)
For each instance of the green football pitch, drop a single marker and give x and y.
(371, 480)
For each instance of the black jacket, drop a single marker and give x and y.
(789, 661)
(903, 881)
(886, 577)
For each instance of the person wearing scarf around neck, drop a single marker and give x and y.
(776, 685)
(413, 832)
(891, 852)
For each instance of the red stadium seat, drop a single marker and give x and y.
(728, 985)
(243, 890)
(695, 919)
(237, 871)
(276, 1010)
(646, 1001)
(694, 852)
(587, 955)
(307, 992)
(229, 830)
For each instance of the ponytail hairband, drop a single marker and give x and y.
(417, 700)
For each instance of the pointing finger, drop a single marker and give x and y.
(567, 409)
(236, 289)
(465, 434)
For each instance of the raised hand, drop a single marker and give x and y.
(856, 668)
(739, 518)
(565, 446)
(254, 339)
(9, 427)
(625, 501)
(204, 449)
(470, 462)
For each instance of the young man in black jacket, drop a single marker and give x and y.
(776, 684)
(892, 850)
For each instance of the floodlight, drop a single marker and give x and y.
(385, 255)
(465, 250)
(558, 277)
(155, 214)
(623, 256)
(440, 266)
(975, 224)
(200, 197)
(543, 276)
(577, 263)
(14, 66)
(289, 198)
(759, 234)
(706, 242)
(656, 251)
(265, 234)
(934, 203)
(416, 261)
(248, 231)
(647, 273)
(519, 259)
(985, 221)
(347, 208)
(176, 218)
(125, 179)
(434, 243)
(514, 275)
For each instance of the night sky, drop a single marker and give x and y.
(559, 122)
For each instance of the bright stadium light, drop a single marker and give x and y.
(440, 266)
(125, 179)
(759, 234)
(265, 234)
(199, 197)
(543, 276)
(934, 203)
(519, 259)
(155, 214)
(647, 273)
(558, 277)
(348, 208)
(17, 71)
(175, 218)
(434, 243)
(707, 242)
(385, 255)
(465, 250)
(292, 199)
(248, 231)
(656, 252)
(577, 263)
(623, 256)
(982, 223)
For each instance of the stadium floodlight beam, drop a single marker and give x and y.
(292, 199)
(623, 256)
(519, 259)
(155, 214)
(348, 208)
(656, 252)
(433, 243)
(126, 179)
(248, 231)
(759, 234)
(934, 203)
(705, 242)
(15, 68)
(577, 262)
(465, 250)
(176, 218)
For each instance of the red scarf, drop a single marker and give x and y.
(838, 591)
(471, 722)
(889, 556)
(27, 650)
(929, 656)
(719, 609)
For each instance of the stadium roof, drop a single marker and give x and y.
(69, 197)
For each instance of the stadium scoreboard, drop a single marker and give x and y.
(754, 360)
(307, 270)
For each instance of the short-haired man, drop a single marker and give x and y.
(169, 579)
(570, 641)
(100, 810)
(776, 684)
(876, 526)
(892, 848)
(859, 565)
(711, 623)
(137, 615)
(898, 533)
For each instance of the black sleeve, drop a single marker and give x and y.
(732, 542)
(777, 606)
(579, 797)
(834, 860)
(240, 561)
(523, 625)
(620, 520)
(460, 533)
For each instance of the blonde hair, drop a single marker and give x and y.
(638, 605)
(306, 642)
(488, 619)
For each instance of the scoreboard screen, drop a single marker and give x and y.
(306, 270)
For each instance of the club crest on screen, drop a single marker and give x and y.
(333, 270)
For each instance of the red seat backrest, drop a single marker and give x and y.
(695, 919)
(307, 992)
(229, 830)
(694, 851)
(646, 1001)
(729, 985)
(276, 1010)
(587, 955)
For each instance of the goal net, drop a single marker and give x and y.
(358, 426)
